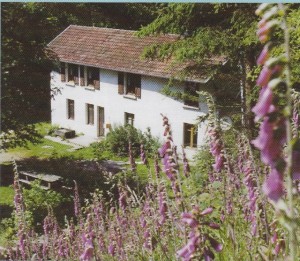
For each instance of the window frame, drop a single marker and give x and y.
(70, 109)
(127, 117)
(90, 114)
(186, 127)
(130, 84)
(75, 73)
(93, 77)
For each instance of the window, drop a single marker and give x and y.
(189, 135)
(73, 73)
(71, 111)
(93, 77)
(90, 114)
(191, 97)
(63, 72)
(129, 118)
(129, 84)
(81, 75)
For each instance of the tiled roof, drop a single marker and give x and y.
(114, 49)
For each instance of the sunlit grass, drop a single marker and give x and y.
(6, 196)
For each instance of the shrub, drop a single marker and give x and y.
(117, 141)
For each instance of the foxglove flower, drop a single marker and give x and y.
(186, 253)
(264, 104)
(296, 165)
(215, 244)
(163, 208)
(264, 77)
(112, 249)
(268, 143)
(189, 219)
(88, 249)
(273, 186)
(264, 55)
(156, 167)
(186, 166)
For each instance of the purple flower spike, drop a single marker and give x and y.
(214, 225)
(219, 163)
(296, 165)
(207, 211)
(215, 244)
(88, 250)
(187, 251)
(269, 145)
(264, 55)
(264, 76)
(264, 104)
(273, 186)
(208, 254)
(189, 219)
(111, 249)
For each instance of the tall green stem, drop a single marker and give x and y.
(292, 231)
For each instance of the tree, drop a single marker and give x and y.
(209, 30)
(26, 66)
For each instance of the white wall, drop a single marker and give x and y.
(147, 110)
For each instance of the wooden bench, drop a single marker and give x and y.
(27, 177)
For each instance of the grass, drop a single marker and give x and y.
(50, 149)
(6, 196)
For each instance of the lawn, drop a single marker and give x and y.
(50, 149)
(6, 196)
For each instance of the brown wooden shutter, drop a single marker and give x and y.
(76, 80)
(138, 91)
(62, 72)
(137, 83)
(81, 79)
(121, 83)
(97, 84)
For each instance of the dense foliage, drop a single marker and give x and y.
(234, 204)
(26, 29)
(117, 140)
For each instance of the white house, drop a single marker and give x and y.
(103, 82)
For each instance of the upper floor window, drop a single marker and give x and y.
(72, 73)
(129, 83)
(93, 78)
(63, 72)
(191, 97)
(80, 75)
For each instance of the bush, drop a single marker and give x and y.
(117, 141)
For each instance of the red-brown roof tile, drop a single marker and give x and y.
(114, 49)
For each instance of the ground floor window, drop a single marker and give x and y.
(90, 114)
(70, 109)
(189, 135)
(129, 118)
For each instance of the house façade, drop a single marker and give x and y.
(103, 81)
